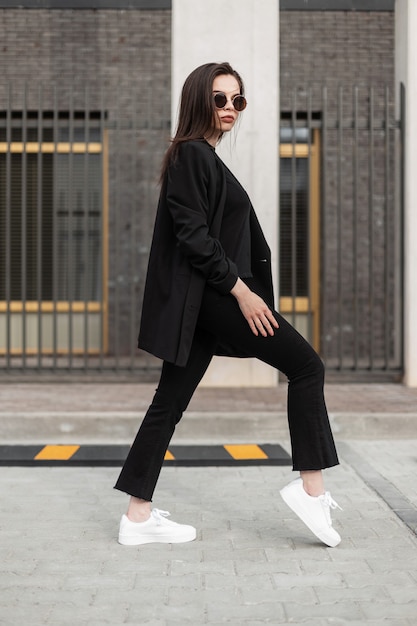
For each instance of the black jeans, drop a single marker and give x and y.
(221, 321)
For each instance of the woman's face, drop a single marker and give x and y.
(225, 118)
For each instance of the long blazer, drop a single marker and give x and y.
(186, 254)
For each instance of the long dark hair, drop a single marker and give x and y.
(197, 108)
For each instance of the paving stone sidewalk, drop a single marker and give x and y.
(253, 562)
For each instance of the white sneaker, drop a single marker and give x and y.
(313, 511)
(156, 529)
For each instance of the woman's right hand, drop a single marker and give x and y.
(256, 312)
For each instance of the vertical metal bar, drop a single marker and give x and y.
(150, 166)
(308, 225)
(371, 228)
(387, 216)
(133, 278)
(86, 228)
(70, 231)
(355, 168)
(102, 243)
(403, 135)
(8, 225)
(294, 210)
(39, 225)
(323, 220)
(55, 231)
(116, 233)
(339, 225)
(23, 232)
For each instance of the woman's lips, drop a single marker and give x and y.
(228, 118)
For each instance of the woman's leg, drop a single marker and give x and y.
(143, 464)
(142, 467)
(313, 448)
(312, 442)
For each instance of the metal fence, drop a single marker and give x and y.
(352, 241)
(79, 173)
(78, 191)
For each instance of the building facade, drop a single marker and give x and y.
(87, 98)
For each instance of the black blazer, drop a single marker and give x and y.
(186, 254)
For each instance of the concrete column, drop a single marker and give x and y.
(245, 33)
(406, 72)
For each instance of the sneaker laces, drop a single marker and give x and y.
(159, 515)
(328, 503)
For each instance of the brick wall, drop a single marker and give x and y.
(67, 45)
(336, 47)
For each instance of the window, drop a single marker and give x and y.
(52, 221)
(299, 260)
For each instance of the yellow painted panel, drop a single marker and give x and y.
(299, 151)
(299, 304)
(33, 147)
(32, 306)
(56, 453)
(49, 351)
(246, 451)
(169, 456)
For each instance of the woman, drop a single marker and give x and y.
(209, 291)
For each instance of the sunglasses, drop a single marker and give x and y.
(238, 101)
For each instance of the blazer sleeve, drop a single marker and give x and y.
(190, 192)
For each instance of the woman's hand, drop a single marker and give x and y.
(256, 312)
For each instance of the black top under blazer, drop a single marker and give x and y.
(186, 254)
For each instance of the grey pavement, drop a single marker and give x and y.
(253, 563)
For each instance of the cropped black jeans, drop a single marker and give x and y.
(221, 321)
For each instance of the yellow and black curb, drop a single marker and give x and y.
(114, 455)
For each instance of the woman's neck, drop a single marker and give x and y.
(214, 138)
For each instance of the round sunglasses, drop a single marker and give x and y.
(220, 100)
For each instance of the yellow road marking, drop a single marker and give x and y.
(56, 453)
(247, 451)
